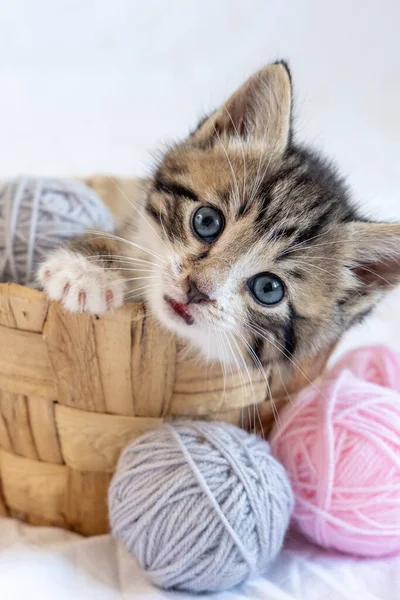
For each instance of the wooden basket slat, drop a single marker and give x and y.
(93, 441)
(232, 415)
(24, 364)
(75, 389)
(5, 439)
(3, 508)
(113, 342)
(153, 366)
(44, 430)
(262, 417)
(210, 404)
(40, 520)
(87, 502)
(34, 487)
(22, 308)
(206, 390)
(15, 416)
(71, 343)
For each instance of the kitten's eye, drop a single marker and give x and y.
(266, 288)
(207, 223)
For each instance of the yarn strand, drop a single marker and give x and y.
(341, 448)
(37, 216)
(187, 501)
(211, 498)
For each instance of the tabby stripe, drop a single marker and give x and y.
(289, 335)
(257, 347)
(314, 229)
(286, 174)
(175, 189)
(174, 225)
(265, 192)
(282, 232)
(152, 212)
(297, 273)
(306, 234)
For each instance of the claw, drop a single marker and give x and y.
(109, 298)
(66, 289)
(82, 299)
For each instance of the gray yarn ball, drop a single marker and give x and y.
(202, 506)
(37, 215)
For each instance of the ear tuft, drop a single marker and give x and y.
(260, 109)
(285, 65)
(376, 255)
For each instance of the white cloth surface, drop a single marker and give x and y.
(49, 564)
(93, 86)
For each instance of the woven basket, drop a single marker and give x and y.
(75, 389)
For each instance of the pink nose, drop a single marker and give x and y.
(194, 295)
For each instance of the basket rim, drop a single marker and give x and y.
(16, 290)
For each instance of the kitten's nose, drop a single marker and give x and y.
(195, 296)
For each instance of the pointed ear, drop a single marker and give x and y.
(260, 109)
(376, 256)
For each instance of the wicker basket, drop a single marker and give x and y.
(75, 389)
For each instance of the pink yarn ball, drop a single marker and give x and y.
(340, 443)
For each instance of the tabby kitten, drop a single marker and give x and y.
(247, 243)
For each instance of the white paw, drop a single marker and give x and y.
(81, 284)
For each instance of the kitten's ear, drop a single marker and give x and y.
(260, 109)
(375, 256)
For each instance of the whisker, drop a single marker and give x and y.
(123, 240)
(122, 259)
(207, 355)
(138, 211)
(128, 279)
(311, 274)
(301, 245)
(235, 181)
(242, 382)
(242, 150)
(261, 332)
(222, 362)
(137, 292)
(260, 367)
(309, 271)
(131, 269)
(248, 375)
(282, 351)
(375, 274)
(165, 233)
(311, 246)
(260, 177)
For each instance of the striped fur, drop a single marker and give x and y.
(287, 212)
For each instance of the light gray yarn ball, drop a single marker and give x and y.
(202, 506)
(37, 215)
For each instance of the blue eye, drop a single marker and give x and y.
(266, 288)
(207, 223)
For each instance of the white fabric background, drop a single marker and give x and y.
(97, 85)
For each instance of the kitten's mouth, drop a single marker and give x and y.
(180, 309)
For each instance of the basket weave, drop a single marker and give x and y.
(75, 389)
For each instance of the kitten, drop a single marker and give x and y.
(247, 243)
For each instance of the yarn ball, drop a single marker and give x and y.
(340, 443)
(202, 506)
(37, 215)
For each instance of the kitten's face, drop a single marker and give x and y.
(261, 248)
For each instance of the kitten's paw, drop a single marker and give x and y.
(80, 283)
